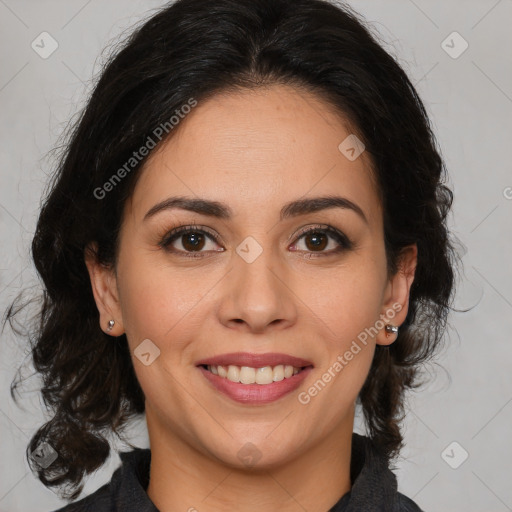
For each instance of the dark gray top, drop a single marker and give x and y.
(374, 487)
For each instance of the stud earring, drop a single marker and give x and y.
(391, 329)
(110, 325)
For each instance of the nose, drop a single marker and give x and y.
(258, 296)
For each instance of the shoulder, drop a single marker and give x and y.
(125, 491)
(405, 504)
(99, 501)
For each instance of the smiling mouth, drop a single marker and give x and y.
(250, 375)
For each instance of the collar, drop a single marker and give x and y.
(374, 486)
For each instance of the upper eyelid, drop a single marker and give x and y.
(190, 228)
(330, 230)
(319, 227)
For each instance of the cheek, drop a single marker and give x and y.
(347, 299)
(155, 301)
(348, 302)
(158, 304)
(158, 300)
(348, 313)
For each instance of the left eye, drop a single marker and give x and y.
(194, 240)
(317, 239)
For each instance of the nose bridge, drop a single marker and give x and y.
(254, 268)
(257, 293)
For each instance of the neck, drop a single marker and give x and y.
(182, 478)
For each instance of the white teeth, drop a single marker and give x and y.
(264, 375)
(249, 375)
(278, 373)
(234, 373)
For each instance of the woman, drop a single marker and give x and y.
(245, 238)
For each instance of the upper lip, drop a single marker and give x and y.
(254, 360)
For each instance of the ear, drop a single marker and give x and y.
(396, 294)
(104, 289)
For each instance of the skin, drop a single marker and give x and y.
(254, 151)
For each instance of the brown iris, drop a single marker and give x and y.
(193, 241)
(317, 243)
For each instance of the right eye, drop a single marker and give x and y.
(191, 239)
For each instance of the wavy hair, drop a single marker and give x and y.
(193, 48)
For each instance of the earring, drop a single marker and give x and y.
(110, 325)
(391, 329)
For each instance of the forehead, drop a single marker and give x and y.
(256, 150)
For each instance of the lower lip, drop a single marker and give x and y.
(256, 393)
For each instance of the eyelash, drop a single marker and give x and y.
(344, 242)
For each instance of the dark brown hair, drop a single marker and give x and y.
(197, 48)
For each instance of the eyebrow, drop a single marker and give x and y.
(223, 211)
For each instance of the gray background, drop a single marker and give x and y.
(469, 99)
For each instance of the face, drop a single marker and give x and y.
(254, 282)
